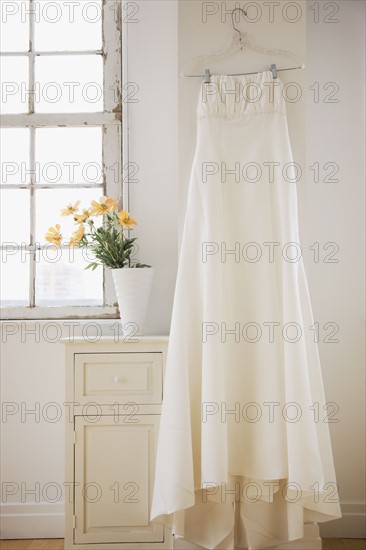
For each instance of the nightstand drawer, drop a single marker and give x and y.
(106, 378)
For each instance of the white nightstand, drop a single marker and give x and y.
(114, 390)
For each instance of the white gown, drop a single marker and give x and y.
(244, 415)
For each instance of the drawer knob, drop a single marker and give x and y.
(118, 379)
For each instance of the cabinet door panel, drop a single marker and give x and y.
(114, 468)
(118, 377)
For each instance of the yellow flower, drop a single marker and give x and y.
(81, 218)
(53, 235)
(105, 205)
(125, 219)
(70, 209)
(77, 236)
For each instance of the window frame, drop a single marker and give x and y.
(110, 120)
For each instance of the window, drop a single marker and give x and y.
(60, 142)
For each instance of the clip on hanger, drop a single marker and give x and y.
(274, 70)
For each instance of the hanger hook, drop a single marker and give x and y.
(232, 18)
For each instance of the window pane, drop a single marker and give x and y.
(14, 84)
(14, 26)
(14, 222)
(14, 280)
(49, 202)
(61, 279)
(14, 154)
(69, 83)
(69, 155)
(68, 25)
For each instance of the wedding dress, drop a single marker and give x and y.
(244, 444)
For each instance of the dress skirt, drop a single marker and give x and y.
(244, 454)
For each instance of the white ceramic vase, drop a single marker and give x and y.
(133, 289)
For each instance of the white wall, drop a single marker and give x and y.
(33, 371)
(335, 213)
(32, 445)
(153, 145)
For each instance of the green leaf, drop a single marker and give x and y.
(92, 266)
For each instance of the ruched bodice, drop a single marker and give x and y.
(234, 97)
